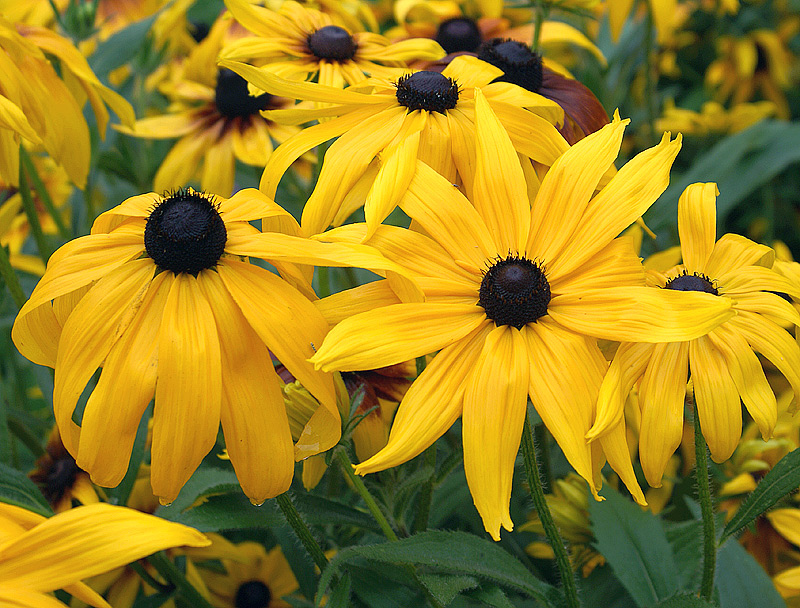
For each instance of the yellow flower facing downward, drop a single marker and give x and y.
(158, 295)
(514, 292)
(724, 367)
(39, 555)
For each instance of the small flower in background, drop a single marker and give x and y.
(425, 115)
(301, 43)
(515, 288)
(713, 118)
(725, 369)
(158, 295)
(39, 555)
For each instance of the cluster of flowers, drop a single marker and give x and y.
(518, 279)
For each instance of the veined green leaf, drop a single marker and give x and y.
(16, 489)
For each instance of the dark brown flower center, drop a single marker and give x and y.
(692, 282)
(333, 43)
(185, 233)
(458, 35)
(58, 478)
(520, 64)
(514, 291)
(233, 99)
(427, 90)
(252, 594)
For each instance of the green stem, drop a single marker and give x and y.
(301, 529)
(28, 439)
(707, 509)
(650, 83)
(550, 529)
(145, 576)
(11, 279)
(546, 468)
(358, 484)
(175, 577)
(30, 211)
(426, 493)
(323, 281)
(44, 195)
(539, 15)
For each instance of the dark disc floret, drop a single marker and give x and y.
(427, 90)
(185, 232)
(252, 594)
(514, 291)
(692, 282)
(233, 99)
(520, 64)
(333, 43)
(459, 34)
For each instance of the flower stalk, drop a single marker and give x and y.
(301, 530)
(707, 510)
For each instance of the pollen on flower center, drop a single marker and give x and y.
(427, 90)
(252, 594)
(332, 42)
(185, 233)
(521, 65)
(514, 291)
(233, 99)
(459, 34)
(692, 282)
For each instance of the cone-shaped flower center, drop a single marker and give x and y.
(332, 42)
(427, 90)
(232, 98)
(459, 34)
(521, 65)
(514, 291)
(692, 282)
(185, 233)
(252, 594)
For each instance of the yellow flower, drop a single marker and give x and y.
(302, 43)
(714, 118)
(216, 120)
(514, 291)
(425, 115)
(39, 555)
(725, 369)
(158, 295)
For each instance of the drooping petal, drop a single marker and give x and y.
(253, 413)
(494, 413)
(640, 314)
(500, 194)
(749, 279)
(127, 384)
(393, 334)
(188, 389)
(431, 405)
(716, 398)
(734, 251)
(697, 225)
(661, 397)
(344, 304)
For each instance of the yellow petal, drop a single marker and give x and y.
(217, 175)
(697, 225)
(616, 450)
(253, 414)
(344, 304)
(432, 404)
(734, 251)
(716, 398)
(787, 523)
(188, 390)
(640, 314)
(661, 397)
(393, 334)
(750, 279)
(14, 597)
(126, 386)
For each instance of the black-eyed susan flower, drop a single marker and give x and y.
(253, 578)
(158, 295)
(713, 118)
(725, 370)
(215, 119)
(515, 291)
(424, 115)
(301, 43)
(39, 555)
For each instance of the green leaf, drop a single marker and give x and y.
(782, 479)
(742, 582)
(739, 164)
(686, 539)
(491, 595)
(16, 489)
(121, 47)
(601, 588)
(686, 600)
(445, 587)
(320, 511)
(448, 552)
(635, 545)
(380, 588)
(205, 482)
(340, 596)
(226, 512)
